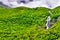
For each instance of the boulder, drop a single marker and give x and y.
(53, 21)
(58, 19)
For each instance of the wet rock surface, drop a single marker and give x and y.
(58, 19)
(53, 21)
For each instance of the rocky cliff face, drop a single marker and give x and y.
(31, 3)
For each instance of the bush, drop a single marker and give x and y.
(28, 24)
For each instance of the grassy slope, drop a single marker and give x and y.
(22, 24)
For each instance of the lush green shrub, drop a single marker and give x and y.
(28, 24)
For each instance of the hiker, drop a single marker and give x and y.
(48, 22)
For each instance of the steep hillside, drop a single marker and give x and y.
(28, 24)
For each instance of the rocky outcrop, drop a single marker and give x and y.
(55, 20)
(58, 19)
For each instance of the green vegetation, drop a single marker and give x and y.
(28, 24)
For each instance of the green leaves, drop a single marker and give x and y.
(28, 24)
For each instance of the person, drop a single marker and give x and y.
(48, 22)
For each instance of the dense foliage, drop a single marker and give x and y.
(28, 24)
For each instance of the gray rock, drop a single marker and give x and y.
(58, 19)
(53, 21)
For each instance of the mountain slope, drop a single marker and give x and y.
(24, 23)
